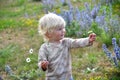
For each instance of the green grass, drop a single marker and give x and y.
(15, 50)
(19, 13)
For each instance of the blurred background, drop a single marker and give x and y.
(20, 41)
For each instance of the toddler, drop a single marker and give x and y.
(54, 55)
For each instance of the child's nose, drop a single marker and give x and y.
(63, 30)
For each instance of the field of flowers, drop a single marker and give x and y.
(20, 41)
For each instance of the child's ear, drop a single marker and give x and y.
(48, 34)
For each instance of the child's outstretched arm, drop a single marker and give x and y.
(81, 42)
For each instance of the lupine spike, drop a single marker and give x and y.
(87, 7)
(100, 20)
(115, 58)
(8, 70)
(108, 53)
(95, 11)
(115, 61)
(116, 48)
(77, 14)
(70, 5)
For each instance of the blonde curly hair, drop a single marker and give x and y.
(48, 22)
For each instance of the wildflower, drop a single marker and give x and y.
(31, 51)
(68, 17)
(114, 41)
(108, 53)
(106, 29)
(87, 7)
(49, 4)
(116, 51)
(8, 70)
(77, 14)
(115, 61)
(28, 60)
(100, 20)
(116, 48)
(95, 11)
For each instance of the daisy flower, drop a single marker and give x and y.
(28, 60)
(31, 51)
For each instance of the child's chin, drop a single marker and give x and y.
(62, 37)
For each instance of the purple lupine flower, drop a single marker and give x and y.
(115, 24)
(100, 20)
(70, 5)
(116, 48)
(68, 16)
(71, 8)
(77, 14)
(119, 49)
(114, 42)
(115, 61)
(106, 29)
(117, 55)
(85, 21)
(82, 25)
(108, 53)
(95, 11)
(87, 7)
(88, 20)
(48, 3)
(8, 70)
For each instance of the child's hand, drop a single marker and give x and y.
(92, 37)
(44, 65)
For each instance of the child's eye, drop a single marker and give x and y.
(60, 29)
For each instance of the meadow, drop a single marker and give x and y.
(20, 40)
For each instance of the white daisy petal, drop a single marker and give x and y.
(28, 60)
(31, 51)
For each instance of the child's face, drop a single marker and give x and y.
(57, 34)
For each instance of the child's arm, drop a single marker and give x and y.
(80, 42)
(42, 58)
